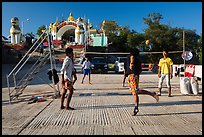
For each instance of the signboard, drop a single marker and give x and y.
(100, 41)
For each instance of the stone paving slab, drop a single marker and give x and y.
(105, 108)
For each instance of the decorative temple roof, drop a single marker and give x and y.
(105, 22)
(70, 18)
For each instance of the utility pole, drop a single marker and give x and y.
(23, 25)
(184, 52)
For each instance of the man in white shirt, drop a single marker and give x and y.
(66, 78)
(86, 70)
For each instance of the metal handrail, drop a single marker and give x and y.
(29, 56)
(12, 72)
(24, 60)
(51, 63)
(25, 56)
(28, 72)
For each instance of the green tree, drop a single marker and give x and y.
(163, 37)
(109, 28)
(40, 30)
(119, 42)
(135, 39)
(200, 49)
(156, 32)
(123, 39)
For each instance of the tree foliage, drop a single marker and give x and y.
(40, 30)
(163, 37)
(200, 49)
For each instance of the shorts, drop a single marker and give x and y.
(133, 82)
(74, 72)
(67, 84)
(86, 71)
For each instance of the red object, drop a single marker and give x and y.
(77, 46)
(190, 70)
(57, 42)
(150, 67)
(17, 46)
(61, 61)
(45, 43)
(41, 100)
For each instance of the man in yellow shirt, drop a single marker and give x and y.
(165, 71)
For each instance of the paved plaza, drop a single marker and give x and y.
(103, 108)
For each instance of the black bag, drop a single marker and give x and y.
(56, 78)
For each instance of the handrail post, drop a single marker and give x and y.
(8, 88)
(51, 64)
(14, 80)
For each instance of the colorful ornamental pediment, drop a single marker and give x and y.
(66, 23)
(79, 25)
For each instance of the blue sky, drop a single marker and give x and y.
(176, 14)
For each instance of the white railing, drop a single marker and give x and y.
(27, 56)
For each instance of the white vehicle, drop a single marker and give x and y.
(119, 64)
(78, 64)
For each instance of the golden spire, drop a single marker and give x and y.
(70, 18)
(85, 23)
(56, 21)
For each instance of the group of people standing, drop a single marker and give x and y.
(132, 72)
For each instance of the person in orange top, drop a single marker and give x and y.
(165, 71)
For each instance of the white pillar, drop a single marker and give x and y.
(82, 37)
(17, 38)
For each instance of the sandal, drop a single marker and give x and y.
(136, 110)
(69, 108)
(62, 107)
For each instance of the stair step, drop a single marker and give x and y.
(36, 72)
(17, 87)
(20, 87)
(29, 79)
(16, 95)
